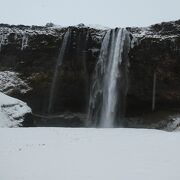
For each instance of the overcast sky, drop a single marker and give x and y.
(110, 13)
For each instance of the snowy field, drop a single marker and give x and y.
(88, 154)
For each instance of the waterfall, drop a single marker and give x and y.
(3, 40)
(24, 43)
(57, 68)
(110, 82)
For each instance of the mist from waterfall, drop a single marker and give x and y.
(57, 69)
(110, 83)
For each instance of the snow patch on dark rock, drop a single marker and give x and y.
(10, 81)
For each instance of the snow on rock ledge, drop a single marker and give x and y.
(9, 81)
(13, 112)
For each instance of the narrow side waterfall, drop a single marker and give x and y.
(57, 69)
(24, 43)
(110, 82)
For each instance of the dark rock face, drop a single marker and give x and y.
(158, 51)
(28, 120)
(32, 53)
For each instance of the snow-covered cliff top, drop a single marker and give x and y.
(164, 30)
(22, 34)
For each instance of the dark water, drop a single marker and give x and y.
(61, 120)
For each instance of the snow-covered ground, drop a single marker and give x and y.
(88, 154)
(12, 111)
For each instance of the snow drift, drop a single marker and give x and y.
(13, 112)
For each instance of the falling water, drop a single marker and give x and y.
(110, 81)
(3, 40)
(56, 72)
(24, 43)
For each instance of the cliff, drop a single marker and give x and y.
(157, 50)
(31, 53)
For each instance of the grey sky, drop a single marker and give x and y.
(104, 12)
